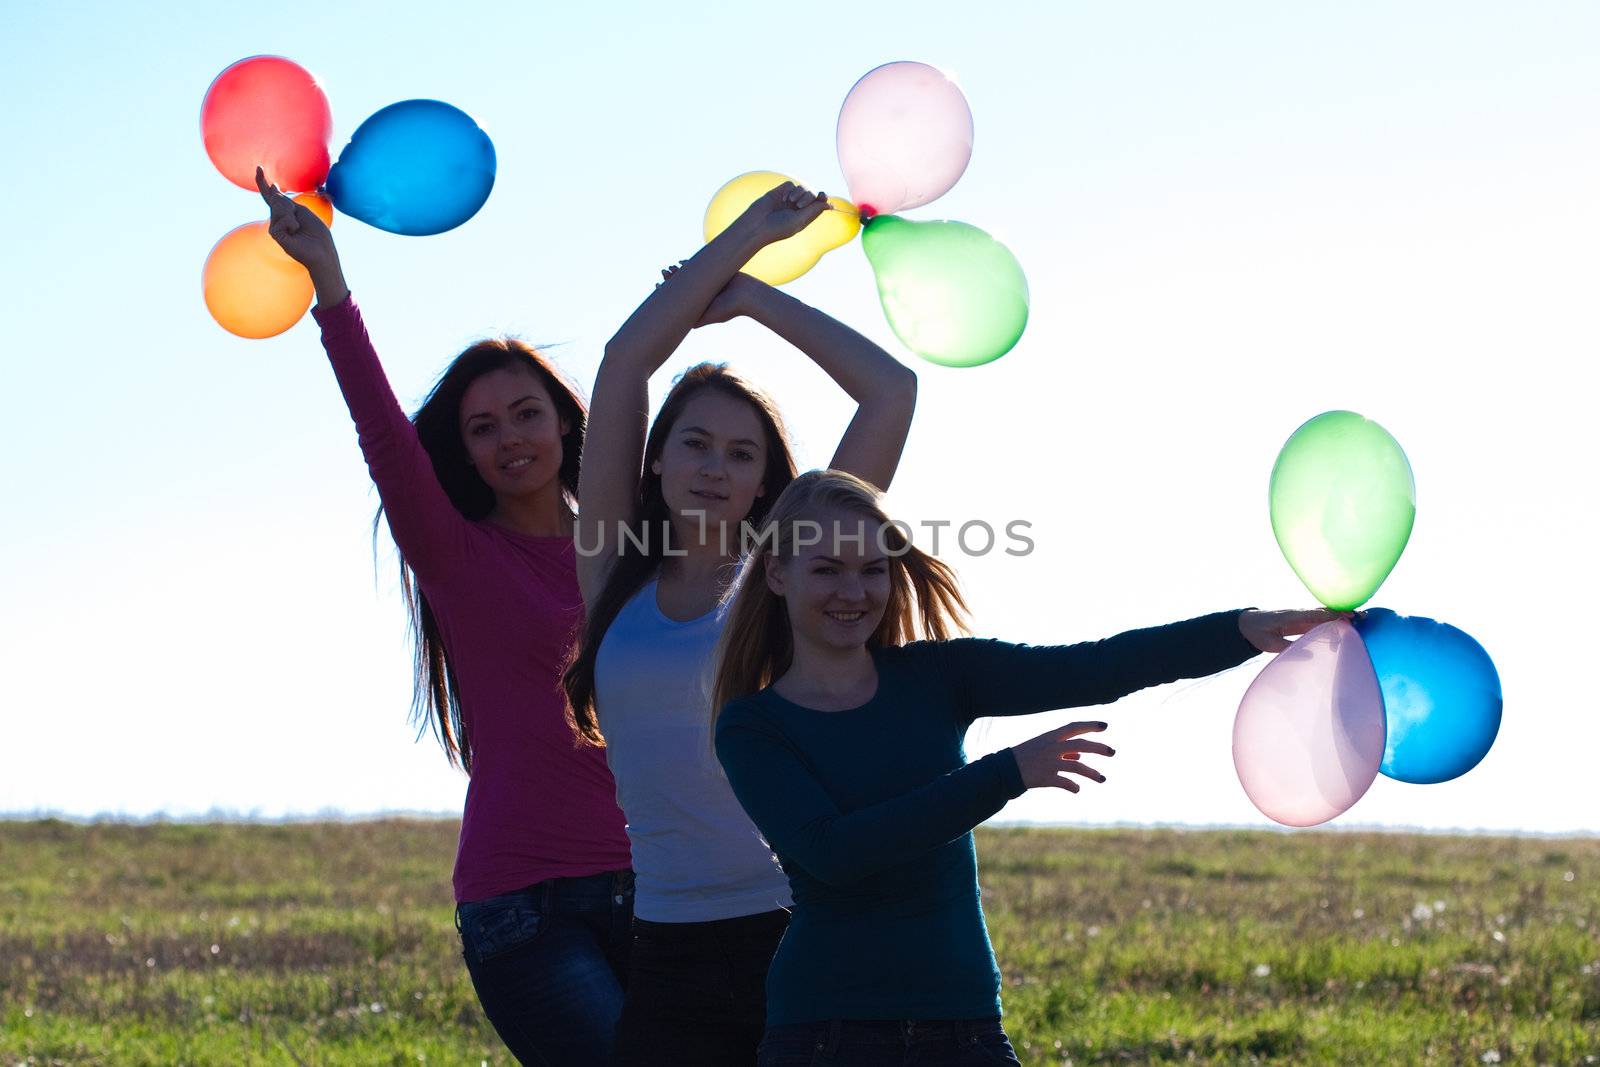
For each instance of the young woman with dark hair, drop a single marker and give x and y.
(479, 492)
(711, 902)
(842, 737)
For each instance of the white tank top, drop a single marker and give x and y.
(696, 854)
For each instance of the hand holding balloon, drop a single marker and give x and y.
(307, 240)
(1046, 760)
(781, 213)
(1269, 630)
(786, 260)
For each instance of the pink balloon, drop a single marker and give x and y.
(905, 136)
(1309, 737)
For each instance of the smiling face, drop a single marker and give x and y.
(512, 432)
(837, 588)
(712, 463)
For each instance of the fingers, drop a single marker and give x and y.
(1270, 631)
(283, 226)
(797, 197)
(269, 192)
(1301, 621)
(278, 203)
(800, 197)
(1074, 767)
(1286, 624)
(1070, 767)
(812, 210)
(1075, 729)
(1079, 747)
(779, 194)
(803, 200)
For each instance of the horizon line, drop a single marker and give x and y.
(217, 816)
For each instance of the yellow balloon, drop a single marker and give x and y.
(252, 288)
(785, 260)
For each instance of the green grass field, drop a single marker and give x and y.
(333, 944)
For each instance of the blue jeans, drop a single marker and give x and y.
(549, 962)
(888, 1043)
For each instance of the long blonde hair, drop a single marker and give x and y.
(757, 645)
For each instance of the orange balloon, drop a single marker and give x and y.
(252, 288)
(320, 206)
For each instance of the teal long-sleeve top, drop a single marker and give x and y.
(871, 810)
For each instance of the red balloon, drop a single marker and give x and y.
(270, 111)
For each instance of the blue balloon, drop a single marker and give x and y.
(1441, 695)
(418, 167)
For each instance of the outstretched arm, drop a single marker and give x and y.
(999, 678)
(613, 455)
(426, 525)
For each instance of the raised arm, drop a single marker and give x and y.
(613, 454)
(804, 826)
(426, 525)
(884, 389)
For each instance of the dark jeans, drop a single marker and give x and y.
(888, 1043)
(697, 992)
(549, 964)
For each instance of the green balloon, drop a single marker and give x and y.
(1343, 501)
(953, 294)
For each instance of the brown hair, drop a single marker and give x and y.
(435, 696)
(631, 570)
(757, 644)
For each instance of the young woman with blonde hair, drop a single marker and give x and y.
(841, 734)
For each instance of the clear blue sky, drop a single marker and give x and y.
(1233, 216)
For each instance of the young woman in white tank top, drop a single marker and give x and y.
(711, 900)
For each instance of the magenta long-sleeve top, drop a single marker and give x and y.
(507, 604)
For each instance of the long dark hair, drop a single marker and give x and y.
(435, 698)
(632, 569)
